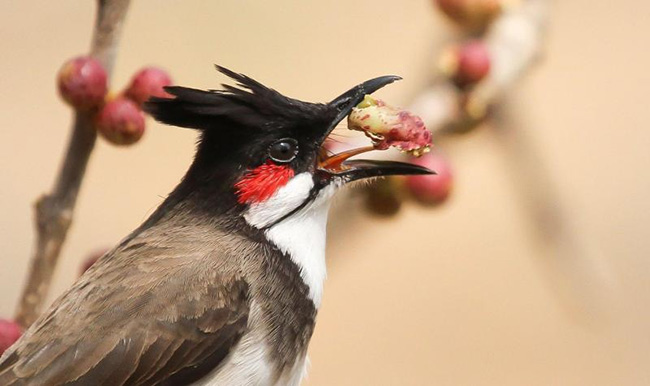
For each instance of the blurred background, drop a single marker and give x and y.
(465, 293)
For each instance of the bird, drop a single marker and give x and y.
(221, 285)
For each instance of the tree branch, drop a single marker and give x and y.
(54, 211)
(514, 41)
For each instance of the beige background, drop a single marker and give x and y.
(468, 295)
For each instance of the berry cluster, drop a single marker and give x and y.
(82, 83)
(469, 62)
(465, 65)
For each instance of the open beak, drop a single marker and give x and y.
(351, 170)
(345, 102)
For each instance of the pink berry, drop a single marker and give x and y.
(82, 83)
(10, 331)
(121, 122)
(431, 189)
(473, 63)
(92, 259)
(146, 83)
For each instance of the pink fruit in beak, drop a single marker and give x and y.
(389, 126)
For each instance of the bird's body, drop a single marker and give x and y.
(302, 238)
(221, 285)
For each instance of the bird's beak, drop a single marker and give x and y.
(345, 102)
(351, 170)
(360, 169)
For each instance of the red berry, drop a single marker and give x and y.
(473, 63)
(10, 331)
(82, 83)
(121, 122)
(431, 189)
(146, 83)
(92, 259)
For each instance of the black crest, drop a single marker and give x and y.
(251, 105)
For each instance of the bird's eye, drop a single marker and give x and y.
(284, 150)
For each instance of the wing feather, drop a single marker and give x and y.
(165, 314)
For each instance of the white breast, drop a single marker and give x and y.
(302, 235)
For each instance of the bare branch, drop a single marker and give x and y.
(514, 41)
(54, 211)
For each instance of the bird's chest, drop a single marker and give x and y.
(285, 291)
(284, 318)
(269, 354)
(300, 237)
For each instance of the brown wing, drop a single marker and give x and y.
(142, 315)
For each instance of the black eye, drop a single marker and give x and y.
(284, 150)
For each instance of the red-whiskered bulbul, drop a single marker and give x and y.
(221, 285)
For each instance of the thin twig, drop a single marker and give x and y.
(54, 211)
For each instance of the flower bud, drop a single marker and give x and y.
(388, 126)
(431, 189)
(121, 122)
(10, 331)
(82, 83)
(146, 83)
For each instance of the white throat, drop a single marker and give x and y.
(302, 235)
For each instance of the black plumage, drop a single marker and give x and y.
(251, 107)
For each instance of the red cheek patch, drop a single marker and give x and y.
(260, 183)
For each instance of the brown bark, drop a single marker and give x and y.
(54, 211)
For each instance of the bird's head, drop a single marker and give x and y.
(261, 154)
